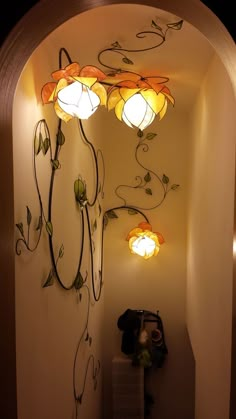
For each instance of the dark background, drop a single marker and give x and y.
(222, 8)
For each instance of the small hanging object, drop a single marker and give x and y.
(143, 241)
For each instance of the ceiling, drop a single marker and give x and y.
(183, 58)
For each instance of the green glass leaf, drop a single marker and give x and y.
(29, 216)
(132, 212)
(154, 25)
(148, 191)
(165, 179)
(174, 187)
(78, 282)
(49, 228)
(49, 281)
(111, 214)
(60, 138)
(55, 164)
(38, 143)
(45, 145)
(20, 228)
(61, 251)
(176, 26)
(40, 223)
(147, 177)
(126, 60)
(150, 136)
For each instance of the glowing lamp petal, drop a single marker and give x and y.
(113, 98)
(78, 100)
(119, 109)
(138, 112)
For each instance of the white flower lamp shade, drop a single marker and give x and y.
(137, 112)
(143, 241)
(144, 246)
(78, 100)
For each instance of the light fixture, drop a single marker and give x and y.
(138, 100)
(143, 241)
(76, 92)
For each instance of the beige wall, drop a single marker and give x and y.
(50, 321)
(210, 234)
(158, 283)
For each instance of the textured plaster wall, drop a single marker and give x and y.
(210, 236)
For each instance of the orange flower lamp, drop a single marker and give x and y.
(76, 92)
(143, 241)
(138, 100)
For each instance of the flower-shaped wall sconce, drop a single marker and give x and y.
(143, 241)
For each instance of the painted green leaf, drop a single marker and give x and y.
(55, 164)
(40, 223)
(165, 179)
(60, 138)
(29, 216)
(49, 228)
(116, 45)
(132, 211)
(147, 177)
(20, 228)
(61, 251)
(49, 281)
(78, 282)
(148, 191)
(150, 136)
(111, 214)
(126, 60)
(176, 26)
(174, 187)
(79, 190)
(45, 145)
(38, 143)
(154, 25)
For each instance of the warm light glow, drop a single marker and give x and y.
(143, 241)
(137, 112)
(78, 100)
(143, 246)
